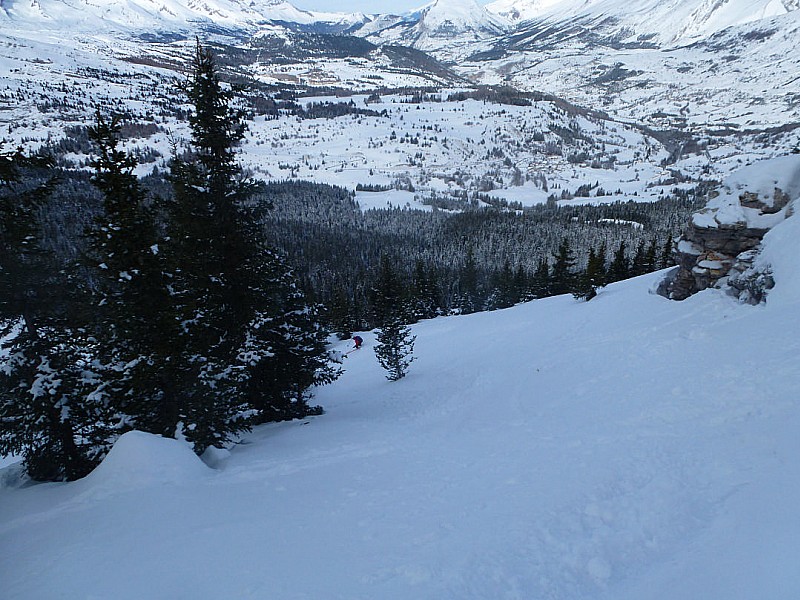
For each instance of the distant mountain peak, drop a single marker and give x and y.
(445, 17)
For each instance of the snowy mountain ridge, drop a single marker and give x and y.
(457, 21)
(666, 21)
(452, 17)
(163, 14)
(449, 28)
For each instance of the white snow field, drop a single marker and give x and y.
(631, 447)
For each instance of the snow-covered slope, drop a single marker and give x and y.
(444, 26)
(665, 21)
(520, 10)
(453, 18)
(746, 75)
(626, 448)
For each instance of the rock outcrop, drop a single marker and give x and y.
(720, 245)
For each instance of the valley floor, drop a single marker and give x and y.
(629, 447)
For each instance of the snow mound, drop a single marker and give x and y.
(141, 459)
(779, 255)
(760, 180)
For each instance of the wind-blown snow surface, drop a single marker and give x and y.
(629, 447)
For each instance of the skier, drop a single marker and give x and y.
(357, 339)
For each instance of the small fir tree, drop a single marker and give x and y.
(394, 348)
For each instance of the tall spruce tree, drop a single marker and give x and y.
(562, 277)
(243, 318)
(134, 322)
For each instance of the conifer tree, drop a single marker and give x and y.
(650, 260)
(562, 278)
(339, 313)
(638, 266)
(243, 317)
(469, 300)
(540, 282)
(279, 387)
(619, 269)
(395, 348)
(602, 261)
(521, 287)
(49, 411)
(592, 278)
(387, 294)
(505, 293)
(423, 292)
(134, 322)
(666, 259)
(26, 268)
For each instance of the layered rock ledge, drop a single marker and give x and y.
(721, 242)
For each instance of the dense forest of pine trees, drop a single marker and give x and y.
(198, 302)
(478, 259)
(169, 315)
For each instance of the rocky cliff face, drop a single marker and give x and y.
(720, 245)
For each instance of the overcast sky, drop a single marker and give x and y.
(365, 6)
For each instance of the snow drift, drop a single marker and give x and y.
(141, 459)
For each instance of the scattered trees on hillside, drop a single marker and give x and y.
(180, 305)
(182, 320)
